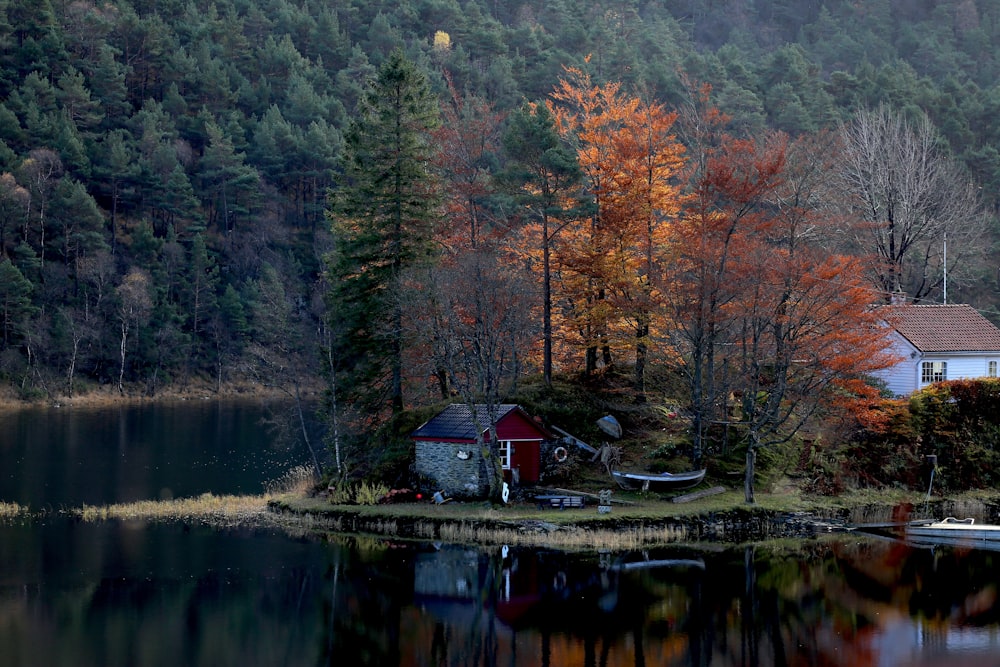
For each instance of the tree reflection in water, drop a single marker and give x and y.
(843, 601)
(165, 594)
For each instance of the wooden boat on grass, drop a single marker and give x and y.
(954, 532)
(661, 482)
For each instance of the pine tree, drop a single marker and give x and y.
(15, 301)
(203, 281)
(547, 173)
(383, 219)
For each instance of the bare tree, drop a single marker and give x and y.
(40, 172)
(80, 330)
(476, 319)
(910, 199)
(134, 308)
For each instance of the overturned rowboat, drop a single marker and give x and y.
(664, 481)
(610, 425)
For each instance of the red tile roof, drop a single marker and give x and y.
(945, 328)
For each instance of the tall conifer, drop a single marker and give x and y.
(383, 216)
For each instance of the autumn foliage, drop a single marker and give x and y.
(610, 258)
(709, 257)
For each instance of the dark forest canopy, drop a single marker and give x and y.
(165, 164)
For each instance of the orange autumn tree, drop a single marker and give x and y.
(806, 322)
(467, 143)
(609, 261)
(698, 293)
(793, 322)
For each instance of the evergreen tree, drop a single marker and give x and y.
(117, 173)
(383, 218)
(15, 301)
(78, 107)
(547, 173)
(106, 78)
(76, 223)
(202, 283)
(230, 186)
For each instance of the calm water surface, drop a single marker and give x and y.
(56, 457)
(173, 594)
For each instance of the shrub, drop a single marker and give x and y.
(341, 494)
(957, 421)
(369, 493)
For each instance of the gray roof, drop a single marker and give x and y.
(456, 422)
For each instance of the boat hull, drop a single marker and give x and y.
(666, 481)
(954, 533)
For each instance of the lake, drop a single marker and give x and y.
(54, 457)
(74, 593)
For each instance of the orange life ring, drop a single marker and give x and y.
(560, 454)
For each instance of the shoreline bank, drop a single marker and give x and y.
(652, 523)
(647, 523)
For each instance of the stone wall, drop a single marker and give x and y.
(444, 463)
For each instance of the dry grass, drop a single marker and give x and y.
(224, 510)
(617, 539)
(646, 522)
(217, 510)
(12, 510)
(299, 481)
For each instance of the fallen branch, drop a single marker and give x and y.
(688, 497)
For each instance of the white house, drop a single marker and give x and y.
(939, 342)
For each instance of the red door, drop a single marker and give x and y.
(526, 459)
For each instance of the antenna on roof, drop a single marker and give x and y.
(945, 291)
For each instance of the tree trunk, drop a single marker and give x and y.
(546, 304)
(640, 362)
(305, 432)
(121, 369)
(334, 418)
(748, 491)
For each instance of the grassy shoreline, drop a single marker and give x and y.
(646, 523)
(108, 396)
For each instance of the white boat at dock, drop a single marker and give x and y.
(954, 532)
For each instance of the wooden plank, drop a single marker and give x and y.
(688, 497)
(593, 495)
(573, 440)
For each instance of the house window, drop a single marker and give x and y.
(991, 369)
(505, 454)
(933, 371)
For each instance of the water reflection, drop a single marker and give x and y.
(82, 594)
(830, 603)
(136, 594)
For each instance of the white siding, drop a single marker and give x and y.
(902, 378)
(966, 367)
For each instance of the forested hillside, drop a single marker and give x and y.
(176, 175)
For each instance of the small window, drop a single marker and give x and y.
(505, 454)
(933, 371)
(991, 369)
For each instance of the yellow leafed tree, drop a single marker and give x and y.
(609, 261)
